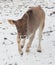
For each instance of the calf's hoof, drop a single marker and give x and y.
(21, 46)
(21, 52)
(39, 51)
(27, 50)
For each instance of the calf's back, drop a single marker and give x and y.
(36, 17)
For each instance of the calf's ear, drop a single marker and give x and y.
(11, 22)
(30, 12)
(25, 17)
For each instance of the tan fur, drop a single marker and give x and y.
(0, 22)
(33, 19)
(11, 22)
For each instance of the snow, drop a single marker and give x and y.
(9, 55)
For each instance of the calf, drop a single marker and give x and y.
(33, 19)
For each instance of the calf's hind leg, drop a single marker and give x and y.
(40, 36)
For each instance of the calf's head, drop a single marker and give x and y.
(21, 25)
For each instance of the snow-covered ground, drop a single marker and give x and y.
(9, 55)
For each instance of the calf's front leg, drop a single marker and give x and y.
(23, 43)
(30, 42)
(19, 46)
